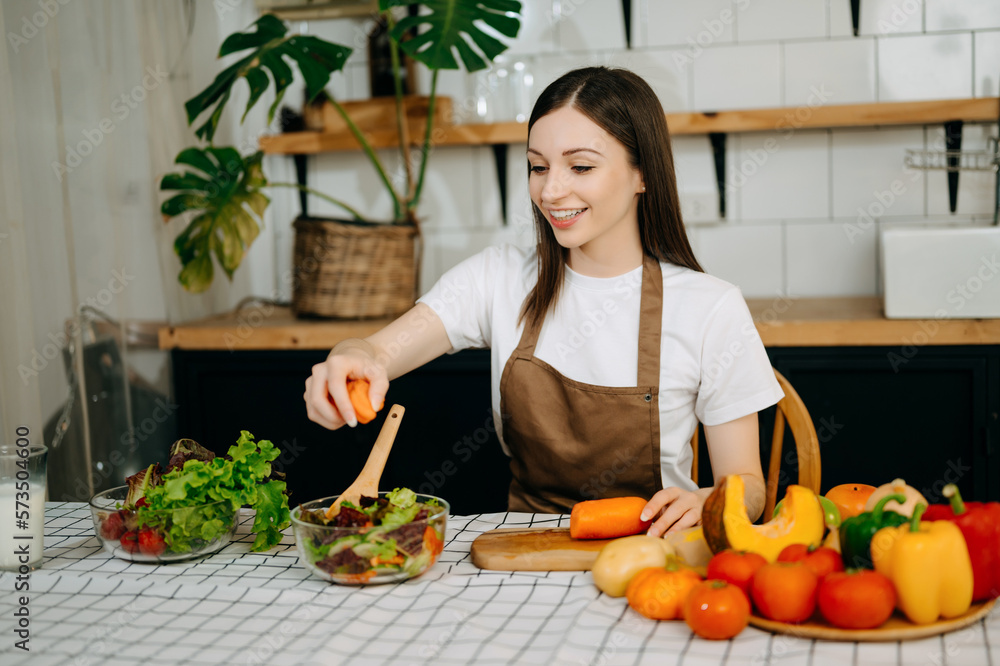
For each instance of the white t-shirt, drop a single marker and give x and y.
(713, 367)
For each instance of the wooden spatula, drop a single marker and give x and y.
(367, 482)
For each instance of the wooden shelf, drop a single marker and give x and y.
(806, 322)
(986, 109)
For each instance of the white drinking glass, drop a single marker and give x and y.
(22, 504)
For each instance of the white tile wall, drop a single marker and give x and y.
(695, 25)
(987, 67)
(350, 177)
(792, 203)
(737, 77)
(749, 256)
(962, 14)
(358, 83)
(783, 176)
(696, 184)
(826, 259)
(840, 24)
(582, 25)
(844, 69)
(456, 84)
(766, 20)
(869, 177)
(452, 186)
(925, 67)
(890, 17)
(450, 247)
(538, 29)
(668, 72)
(518, 200)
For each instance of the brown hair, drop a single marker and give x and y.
(624, 105)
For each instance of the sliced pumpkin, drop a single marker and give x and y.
(726, 524)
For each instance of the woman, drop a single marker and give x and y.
(608, 342)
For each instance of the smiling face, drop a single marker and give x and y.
(581, 180)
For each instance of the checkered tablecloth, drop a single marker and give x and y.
(238, 607)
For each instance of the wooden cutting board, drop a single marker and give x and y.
(534, 549)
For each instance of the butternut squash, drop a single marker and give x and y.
(726, 524)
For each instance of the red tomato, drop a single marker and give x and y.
(130, 541)
(736, 567)
(856, 599)
(785, 591)
(716, 610)
(151, 542)
(821, 559)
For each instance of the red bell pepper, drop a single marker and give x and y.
(980, 525)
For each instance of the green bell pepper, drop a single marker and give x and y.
(856, 533)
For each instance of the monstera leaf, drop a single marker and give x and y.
(229, 206)
(449, 26)
(316, 58)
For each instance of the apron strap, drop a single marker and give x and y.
(650, 322)
(650, 325)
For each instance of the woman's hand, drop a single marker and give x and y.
(327, 402)
(674, 509)
(418, 336)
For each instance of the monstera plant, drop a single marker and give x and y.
(223, 191)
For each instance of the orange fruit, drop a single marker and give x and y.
(850, 498)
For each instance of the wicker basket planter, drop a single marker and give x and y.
(354, 270)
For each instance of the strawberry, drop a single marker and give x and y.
(151, 542)
(113, 527)
(130, 542)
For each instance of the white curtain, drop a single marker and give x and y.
(91, 117)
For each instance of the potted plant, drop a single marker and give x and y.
(360, 259)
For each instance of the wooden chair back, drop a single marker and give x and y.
(790, 410)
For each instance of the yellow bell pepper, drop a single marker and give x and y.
(929, 564)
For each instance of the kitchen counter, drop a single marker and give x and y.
(238, 607)
(782, 322)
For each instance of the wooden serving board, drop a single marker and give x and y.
(534, 549)
(896, 628)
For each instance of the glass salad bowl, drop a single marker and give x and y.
(396, 537)
(143, 535)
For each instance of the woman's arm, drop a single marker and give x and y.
(415, 338)
(734, 448)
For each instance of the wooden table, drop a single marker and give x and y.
(238, 607)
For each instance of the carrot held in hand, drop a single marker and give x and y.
(357, 390)
(607, 518)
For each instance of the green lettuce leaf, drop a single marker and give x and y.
(238, 480)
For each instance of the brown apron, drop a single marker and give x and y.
(571, 441)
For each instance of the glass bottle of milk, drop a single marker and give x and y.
(22, 504)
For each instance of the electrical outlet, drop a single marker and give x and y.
(699, 206)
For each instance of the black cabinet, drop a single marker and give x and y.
(926, 414)
(446, 444)
(929, 415)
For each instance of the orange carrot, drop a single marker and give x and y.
(607, 518)
(357, 389)
(432, 542)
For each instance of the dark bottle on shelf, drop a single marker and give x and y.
(380, 72)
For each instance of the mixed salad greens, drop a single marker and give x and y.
(195, 500)
(385, 535)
